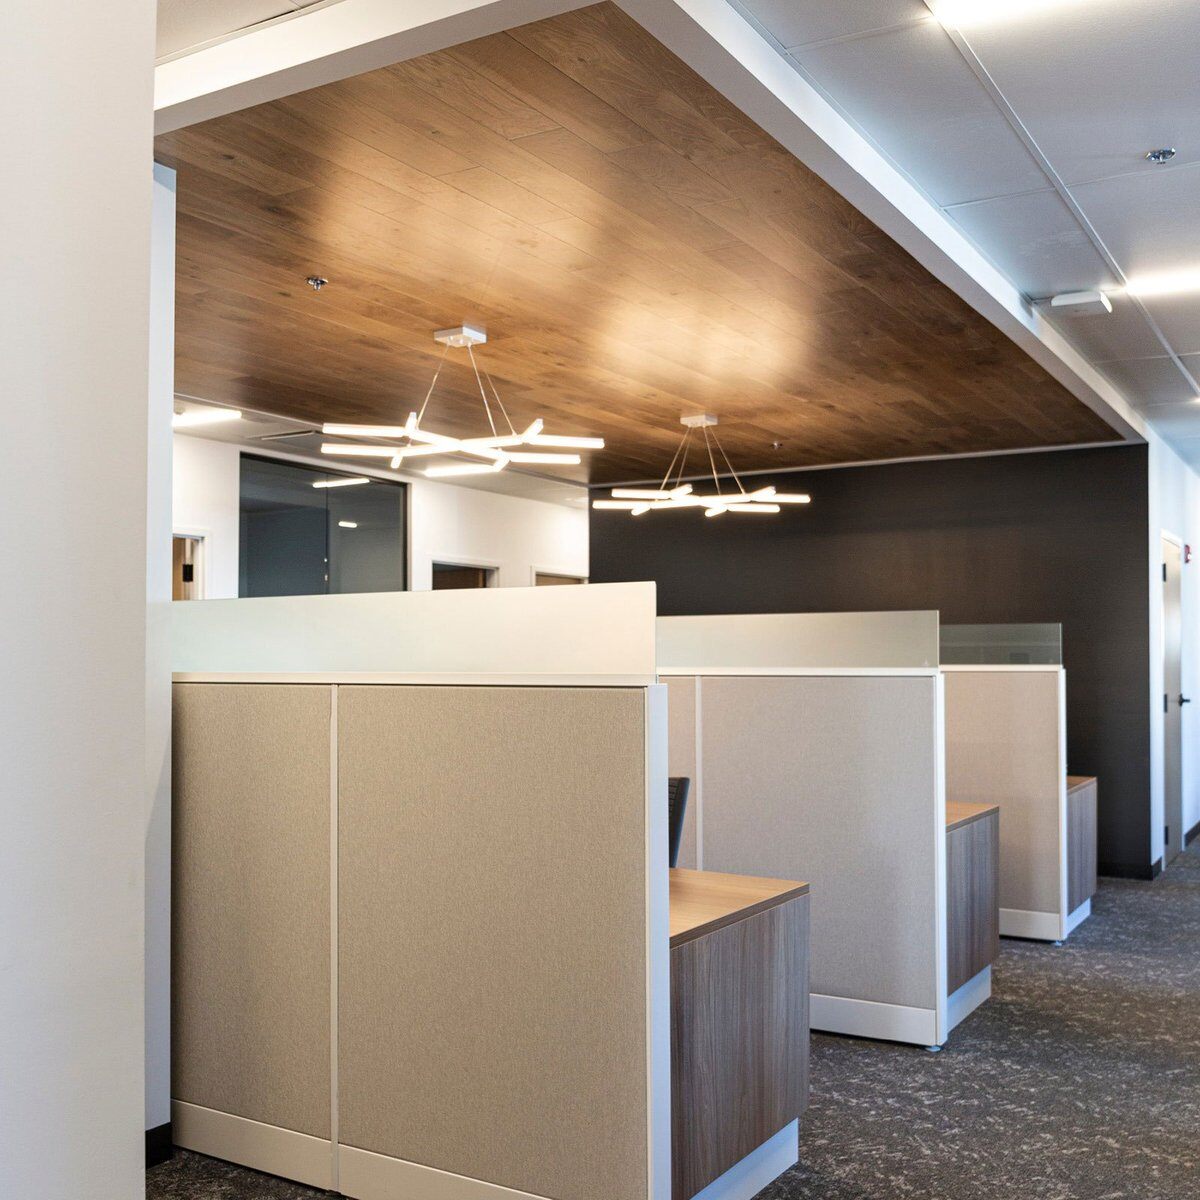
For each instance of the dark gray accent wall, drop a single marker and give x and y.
(1058, 536)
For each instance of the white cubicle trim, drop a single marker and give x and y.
(428, 679)
(604, 632)
(267, 1148)
(823, 672)
(759, 1169)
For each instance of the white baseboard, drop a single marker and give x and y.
(968, 997)
(1041, 926)
(870, 1019)
(1080, 915)
(759, 1168)
(251, 1144)
(368, 1176)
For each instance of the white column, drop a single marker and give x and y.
(76, 113)
(158, 651)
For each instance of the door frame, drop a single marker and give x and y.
(1173, 818)
(203, 537)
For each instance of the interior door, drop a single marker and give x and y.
(1173, 700)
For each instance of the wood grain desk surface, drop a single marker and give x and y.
(1078, 781)
(958, 812)
(702, 901)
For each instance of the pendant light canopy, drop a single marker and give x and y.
(469, 456)
(673, 493)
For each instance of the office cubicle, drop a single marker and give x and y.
(1006, 744)
(814, 742)
(420, 892)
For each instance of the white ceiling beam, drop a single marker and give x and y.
(324, 45)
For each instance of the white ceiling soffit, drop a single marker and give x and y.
(748, 64)
(188, 25)
(1030, 133)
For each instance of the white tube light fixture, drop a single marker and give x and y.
(204, 416)
(421, 442)
(676, 495)
(347, 524)
(1165, 283)
(962, 14)
(348, 481)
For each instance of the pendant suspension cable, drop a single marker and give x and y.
(503, 410)
(666, 479)
(432, 384)
(712, 462)
(487, 408)
(687, 438)
(736, 478)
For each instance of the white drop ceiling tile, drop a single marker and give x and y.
(1100, 82)
(911, 91)
(1179, 319)
(1123, 333)
(1149, 381)
(795, 22)
(1036, 242)
(186, 23)
(1177, 422)
(1149, 222)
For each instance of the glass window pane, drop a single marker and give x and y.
(298, 540)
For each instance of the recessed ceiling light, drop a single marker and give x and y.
(964, 13)
(204, 416)
(1163, 155)
(317, 282)
(1165, 283)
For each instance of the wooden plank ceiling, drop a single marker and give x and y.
(636, 247)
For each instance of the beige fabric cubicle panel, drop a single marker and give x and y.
(1003, 747)
(492, 934)
(834, 780)
(681, 757)
(251, 904)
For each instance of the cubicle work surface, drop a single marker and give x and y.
(803, 768)
(421, 913)
(1006, 744)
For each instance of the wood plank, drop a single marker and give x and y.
(739, 1041)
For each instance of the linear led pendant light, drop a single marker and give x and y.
(636, 501)
(475, 455)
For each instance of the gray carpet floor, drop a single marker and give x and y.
(1079, 1080)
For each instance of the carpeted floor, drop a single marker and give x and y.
(1079, 1080)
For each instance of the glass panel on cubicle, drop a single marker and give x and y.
(1001, 645)
(299, 536)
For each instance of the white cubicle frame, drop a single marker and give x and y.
(600, 636)
(756, 646)
(1040, 924)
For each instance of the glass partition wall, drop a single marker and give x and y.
(1001, 645)
(304, 531)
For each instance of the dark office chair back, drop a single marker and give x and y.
(677, 795)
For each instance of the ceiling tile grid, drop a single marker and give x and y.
(1093, 86)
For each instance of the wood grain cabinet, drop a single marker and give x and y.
(739, 1019)
(1082, 800)
(972, 891)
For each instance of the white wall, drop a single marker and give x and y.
(205, 490)
(158, 652)
(77, 101)
(1174, 509)
(446, 523)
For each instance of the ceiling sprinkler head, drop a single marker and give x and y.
(1162, 155)
(316, 282)
(776, 445)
